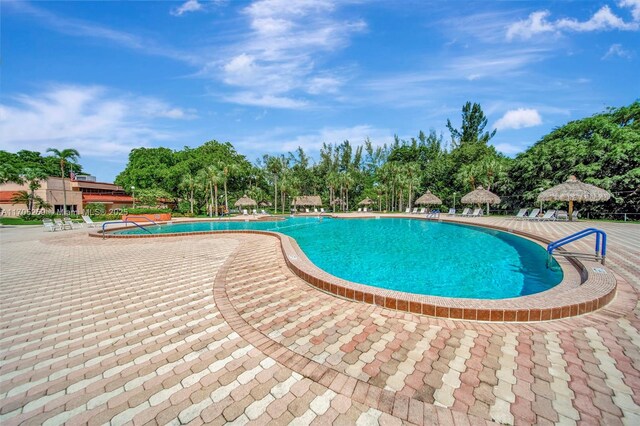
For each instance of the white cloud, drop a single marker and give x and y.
(271, 101)
(508, 148)
(617, 50)
(518, 119)
(278, 59)
(87, 118)
(604, 19)
(188, 6)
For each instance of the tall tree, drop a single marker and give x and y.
(65, 156)
(473, 124)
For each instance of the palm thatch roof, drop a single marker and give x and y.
(245, 201)
(307, 200)
(480, 196)
(574, 190)
(428, 198)
(265, 203)
(366, 202)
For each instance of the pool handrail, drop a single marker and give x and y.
(126, 222)
(600, 248)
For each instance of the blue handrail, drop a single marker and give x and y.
(125, 222)
(601, 242)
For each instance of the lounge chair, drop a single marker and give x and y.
(360, 210)
(466, 212)
(452, 212)
(315, 210)
(415, 211)
(408, 210)
(255, 212)
(90, 223)
(423, 210)
(245, 212)
(522, 213)
(364, 209)
(306, 210)
(562, 215)
(548, 215)
(476, 213)
(321, 209)
(70, 223)
(575, 214)
(49, 225)
(433, 214)
(533, 215)
(61, 225)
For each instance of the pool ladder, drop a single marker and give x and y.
(600, 248)
(126, 222)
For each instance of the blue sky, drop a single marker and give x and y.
(271, 75)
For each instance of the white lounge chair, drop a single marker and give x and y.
(548, 215)
(49, 225)
(433, 214)
(533, 215)
(415, 210)
(321, 209)
(575, 215)
(466, 212)
(522, 213)
(360, 210)
(315, 210)
(90, 223)
(306, 210)
(61, 225)
(476, 213)
(408, 210)
(364, 209)
(423, 210)
(452, 212)
(245, 212)
(255, 212)
(71, 224)
(562, 215)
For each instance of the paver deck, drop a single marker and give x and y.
(216, 329)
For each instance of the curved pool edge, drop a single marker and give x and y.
(562, 301)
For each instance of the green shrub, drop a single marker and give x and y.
(145, 210)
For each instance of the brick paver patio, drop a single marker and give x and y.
(216, 329)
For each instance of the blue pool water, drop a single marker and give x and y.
(415, 256)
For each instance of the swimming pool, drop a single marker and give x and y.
(413, 256)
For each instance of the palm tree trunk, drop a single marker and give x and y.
(215, 199)
(226, 202)
(211, 194)
(191, 200)
(275, 193)
(64, 189)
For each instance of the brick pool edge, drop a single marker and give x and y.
(562, 301)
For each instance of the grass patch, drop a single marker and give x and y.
(18, 221)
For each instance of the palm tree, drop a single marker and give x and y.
(29, 199)
(228, 170)
(32, 177)
(64, 156)
(274, 166)
(211, 177)
(188, 183)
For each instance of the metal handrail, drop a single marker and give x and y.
(600, 249)
(125, 222)
(126, 219)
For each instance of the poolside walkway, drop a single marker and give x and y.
(216, 329)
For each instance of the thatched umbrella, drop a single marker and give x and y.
(479, 196)
(366, 202)
(264, 203)
(245, 201)
(428, 198)
(574, 190)
(307, 200)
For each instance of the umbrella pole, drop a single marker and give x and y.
(570, 210)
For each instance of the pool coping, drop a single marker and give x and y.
(567, 299)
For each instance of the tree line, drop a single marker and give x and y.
(603, 150)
